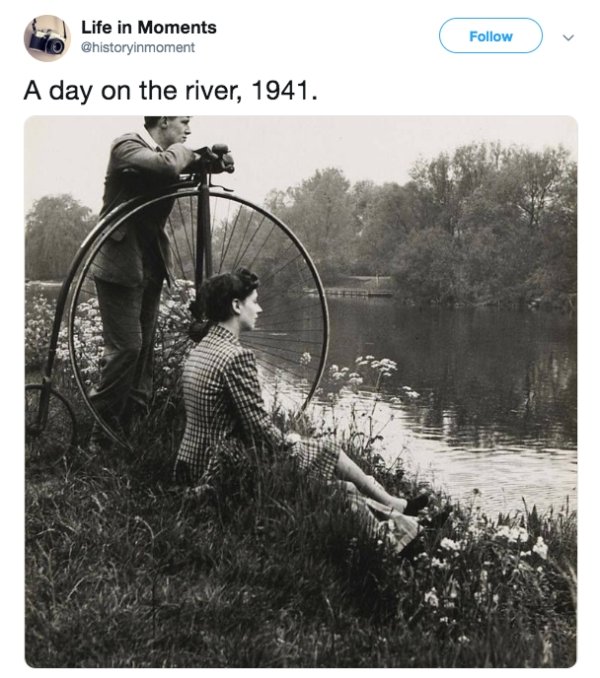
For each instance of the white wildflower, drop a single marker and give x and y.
(431, 598)
(450, 544)
(541, 548)
(513, 534)
(305, 358)
(442, 564)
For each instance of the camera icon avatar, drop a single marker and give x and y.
(47, 38)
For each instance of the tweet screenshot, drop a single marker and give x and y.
(296, 288)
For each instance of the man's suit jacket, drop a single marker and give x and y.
(139, 248)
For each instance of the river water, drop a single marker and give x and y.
(495, 418)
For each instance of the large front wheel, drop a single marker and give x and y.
(290, 340)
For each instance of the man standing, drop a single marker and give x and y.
(131, 266)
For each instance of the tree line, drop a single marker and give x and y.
(55, 227)
(485, 224)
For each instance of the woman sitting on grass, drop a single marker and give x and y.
(225, 414)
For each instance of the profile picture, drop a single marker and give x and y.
(47, 38)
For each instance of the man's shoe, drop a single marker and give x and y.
(99, 442)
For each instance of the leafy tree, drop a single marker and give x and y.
(429, 267)
(319, 210)
(386, 214)
(55, 227)
(442, 184)
(554, 279)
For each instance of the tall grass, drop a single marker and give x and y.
(124, 569)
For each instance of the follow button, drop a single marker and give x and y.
(487, 35)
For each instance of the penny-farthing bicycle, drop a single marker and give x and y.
(211, 230)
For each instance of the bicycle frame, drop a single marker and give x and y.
(197, 184)
(203, 244)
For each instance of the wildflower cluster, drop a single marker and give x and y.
(171, 339)
(479, 571)
(305, 359)
(338, 378)
(368, 376)
(171, 343)
(39, 315)
(383, 367)
(87, 342)
(512, 533)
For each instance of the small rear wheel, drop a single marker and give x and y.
(50, 431)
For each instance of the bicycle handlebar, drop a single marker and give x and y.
(214, 160)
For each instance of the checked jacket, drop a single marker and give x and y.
(225, 413)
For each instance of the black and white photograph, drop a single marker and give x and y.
(300, 391)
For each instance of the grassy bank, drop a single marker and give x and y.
(126, 570)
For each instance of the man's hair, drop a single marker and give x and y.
(151, 121)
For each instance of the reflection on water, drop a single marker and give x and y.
(497, 405)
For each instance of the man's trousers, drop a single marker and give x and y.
(129, 316)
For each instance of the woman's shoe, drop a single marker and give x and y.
(413, 506)
(437, 522)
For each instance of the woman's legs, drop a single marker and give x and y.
(346, 469)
